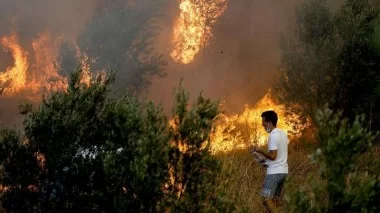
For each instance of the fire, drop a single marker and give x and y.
(23, 77)
(240, 131)
(36, 71)
(192, 30)
(86, 75)
(41, 159)
(45, 51)
(14, 78)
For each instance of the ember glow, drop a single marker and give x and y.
(192, 30)
(242, 130)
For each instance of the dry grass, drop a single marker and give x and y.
(241, 178)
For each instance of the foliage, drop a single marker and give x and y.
(193, 176)
(348, 169)
(82, 150)
(333, 59)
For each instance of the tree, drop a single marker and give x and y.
(120, 37)
(192, 168)
(307, 59)
(348, 169)
(85, 151)
(333, 59)
(359, 68)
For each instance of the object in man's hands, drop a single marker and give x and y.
(258, 157)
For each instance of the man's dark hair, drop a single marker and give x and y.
(270, 116)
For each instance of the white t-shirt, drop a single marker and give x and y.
(278, 140)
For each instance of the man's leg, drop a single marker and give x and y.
(270, 206)
(279, 197)
(268, 192)
(280, 189)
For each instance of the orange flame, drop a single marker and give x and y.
(14, 78)
(36, 77)
(193, 27)
(240, 131)
(45, 51)
(86, 75)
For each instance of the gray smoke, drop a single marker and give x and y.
(242, 61)
(129, 36)
(28, 19)
(115, 34)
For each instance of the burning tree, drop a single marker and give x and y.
(193, 27)
(192, 168)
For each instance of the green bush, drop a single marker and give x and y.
(84, 151)
(349, 180)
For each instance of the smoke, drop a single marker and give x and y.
(242, 61)
(238, 67)
(29, 18)
(29, 21)
(120, 38)
(114, 34)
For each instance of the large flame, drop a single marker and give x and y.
(192, 30)
(36, 71)
(45, 51)
(14, 78)
(240, 131)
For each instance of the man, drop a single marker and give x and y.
(276, 161)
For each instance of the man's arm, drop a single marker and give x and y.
(273, 140)
(271, 155)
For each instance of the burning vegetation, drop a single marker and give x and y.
(144, 163)
(36, 71)
(239, 131)
(192, 30)
(14, 78)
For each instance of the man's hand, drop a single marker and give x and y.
(256, 149)
(271, 155)
(253, 149)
